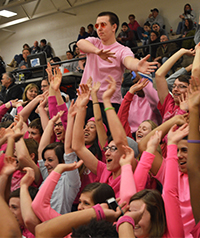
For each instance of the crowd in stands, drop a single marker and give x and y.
(120, 159)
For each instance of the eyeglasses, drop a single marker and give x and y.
(180, 86)
(103, 25)
(58, 124)
(111, 148)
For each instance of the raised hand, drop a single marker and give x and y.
(56, 117)
(72, 109)
(10, 165)
(128, 157)
(83, 95)
(111, 88)
(194, 93)
(154, 142)
(183, 102)
(138, 86)
(28, 178)
(175, 135)
(19, 121)
(137, 214)
(56, 79)
(146, 67)
(105, 55)
(60, 168)
(49, 72)
(189, 52)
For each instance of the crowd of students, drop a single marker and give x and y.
(61, 169)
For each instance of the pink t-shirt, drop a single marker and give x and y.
(99, 69)
(196, 231)
(105, 176)
(184, 198)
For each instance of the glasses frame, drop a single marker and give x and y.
(111, 148)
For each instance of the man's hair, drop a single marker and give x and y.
(10, 76)
(43, 41)
(125, 24)
(131, 15)
(184, 78)
(32, 191)
(36, 124)
(100, 229)
(29, 50)
(147, 24)
(55, 59)
(69, 51)
(32, 146)
(26, 46)
(113, 18)
(90, 25)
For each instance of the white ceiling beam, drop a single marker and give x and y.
(36, 7)
(15, 4)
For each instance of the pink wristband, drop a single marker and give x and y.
(99, 212)
(125, 219)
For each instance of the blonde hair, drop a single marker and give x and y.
(29, 86)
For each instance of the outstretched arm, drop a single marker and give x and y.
(196, 62)
(102, 136)
(140, 65)
(161, 83)
(28, 215)
(78, 142)
(116, 128)
(193, 165)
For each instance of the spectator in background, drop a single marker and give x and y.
(188, 14)
(188, 30)
(35, 48)
(156, 27)
(133, 24)
(83, 34)
(10, 90)
(24, 62)
(91, 31)
(153, 39)
(197, 34)
(71, 66)
(146, 34)
(46, 48)
(126, 36)
(155, 17)
(164, 51)
(76, 52)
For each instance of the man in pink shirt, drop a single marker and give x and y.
(105, 56)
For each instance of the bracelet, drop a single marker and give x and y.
(108, 108)
(10, 103)
(99, 212)
(193, 141)
(125, 219)
(95, 103)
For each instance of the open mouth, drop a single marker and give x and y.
(136, 227)
(182, 163)
(108, 161)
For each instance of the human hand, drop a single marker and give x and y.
(181, 16)
(72, 110)
(89, 82)
(181, 119)
(49, 72)
(10, 166)
(137, 214)
(60, 168)
(105, 55)
(183, 101)
(56, 117)
(128, 157)
(146, 67)
(138, 86)
(111, 88)
(23, 67)
(19, 121)
(189, 52)
(13, 102)
(43, 99)
(95, 88)
(110, 214)
(194, 93)
(83, 95)
(154, 142)
(56, 79)
(28, 178)
(175, 135)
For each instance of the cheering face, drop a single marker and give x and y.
(143, 129)
(50, 160)
(90, 132)
(59, 130)
(182, 155)
(143, 227)
(178, 88)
